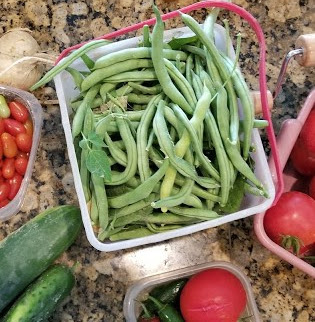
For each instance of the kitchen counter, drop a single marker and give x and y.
(282, 292)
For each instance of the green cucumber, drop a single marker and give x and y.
(28, 251)
(42, 297)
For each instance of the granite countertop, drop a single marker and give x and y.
(282, 293)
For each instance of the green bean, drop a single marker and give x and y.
(104, 73)
(122, 91)
(142, 138)
(106, 88)
(114, 191)
(134, 115)
(158, 229)
(203, 214)
(166, 219)
(146, 36)
(141, 192)
(96, 102)
(171, 118)
(161, 72)
(89, 63)
(195, 50)
(66, 62)
(153, 90)
(139, 98)
(188, 68)
(131, 234)
(210, 21)
(198, 66)
(78, 118)
(181, 83)
(119, 156)
(150, 140)
(135, 53)
(93, 209)
(254, 191)
(76, 75)
(107, 233)
(209, 44)
(196, 84)
(146, 75)
(126, 220)
(205, 79)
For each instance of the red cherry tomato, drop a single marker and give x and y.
(8, 168)
(311, 188)
(9, 146)
(18, 111)
(1, 126)
(24, 142)
(15, 184)
(1, 151)
(13, 127)
(307, 133)
(29, 127)
(21, 154)
(4, 190)
(21, 165)
(4, 202)
(213, 295)
(290, 223)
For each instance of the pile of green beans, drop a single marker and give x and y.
(170, 124)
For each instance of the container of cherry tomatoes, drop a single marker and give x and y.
(20, 126)
(218, 290)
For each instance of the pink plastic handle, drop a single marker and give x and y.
(262, 65)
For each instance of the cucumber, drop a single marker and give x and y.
(28, 251)
(42, 297)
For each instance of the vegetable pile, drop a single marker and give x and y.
(16, 131)
(291, 222)
(213, 294)
(158, 134)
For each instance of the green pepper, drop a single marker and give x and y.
(166, 312)
(4, 108)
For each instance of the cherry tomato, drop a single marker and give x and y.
(311, 188)
(15, 184)
(29, 127)
(21, 165)
(13, 127)
(4, 190)
(1, 126)
(21, 154)
(307, 133)
(213, 295)
(290, 223)
(24, 142)
(8, 168)
(18, 111)
(4, 202)
(1, 151)
(10, 149)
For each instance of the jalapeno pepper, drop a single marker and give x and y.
(166, 312)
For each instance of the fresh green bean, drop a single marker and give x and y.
(118, 155)
(166, 219)
(188, 68)
(96, 102)
(89, 63)
(139, 98)
(76, 75)
(197, 85)
(153, 90)
(150, 140)
(126, 220)
(93, 209)
(158, 229)
(131, 234)
(203, 214)
(146, 75)
(146, 36)
(195, 50)
(106, 88)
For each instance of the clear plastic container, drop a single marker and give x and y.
(36, 113)
(251, 205)
(286, 139)
(139, 290)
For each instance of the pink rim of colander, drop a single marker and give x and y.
(262, 64)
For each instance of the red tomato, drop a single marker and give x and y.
(4, 202)
(8, 168)
(307, 133)
(21, 154)
(21, 165)
(10, 149)
(18, 111)
(1, 151)
(153, 319)
(13, 127)
(29, 127)
(290, 223)
(213, 295)
(24, 142)
(311, 188)
(4, 190)
(1, 126)
(15, 184)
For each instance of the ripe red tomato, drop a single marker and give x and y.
(15, 184)
(21, 154)
(311, 188)
(4, 190)
(8, 168)
(10, 149)
(13, 127)
(153, 319)
(307, 133)
(24, 142)
(213, 295)
(21, 165)
(290, 223)
(4, 202)
(18, 111)
(1, 126)
(29, 127)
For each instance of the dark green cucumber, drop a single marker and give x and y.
(28, 251)
(42, 297)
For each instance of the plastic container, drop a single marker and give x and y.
(251, 205)
(287, 137)
(36, 113)
(138, 291)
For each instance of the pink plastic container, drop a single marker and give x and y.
(286, 139)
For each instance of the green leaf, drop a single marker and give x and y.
(96, 139)
(177, 43)
(97, 163)
(84, 144)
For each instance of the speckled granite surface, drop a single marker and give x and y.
(282, 293)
